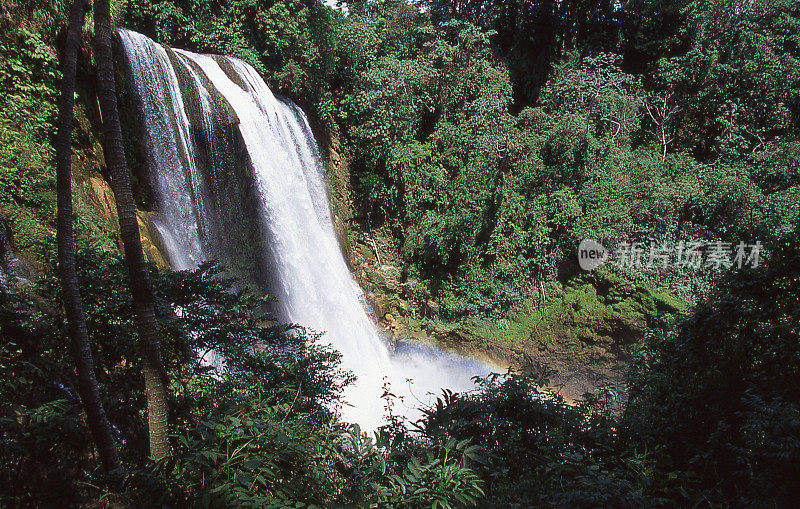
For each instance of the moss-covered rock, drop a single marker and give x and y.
(151, 242)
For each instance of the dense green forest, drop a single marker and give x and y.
(484, 139)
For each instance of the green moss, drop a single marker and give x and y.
(366, 253)
(597, 308)
(29, 227)
(668, 303)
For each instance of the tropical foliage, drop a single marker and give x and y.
(489, 171)
(488, 137)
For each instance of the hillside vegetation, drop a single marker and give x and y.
(485, 139)
(471, 146)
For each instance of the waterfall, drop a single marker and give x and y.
(169, 149)
(217, 135)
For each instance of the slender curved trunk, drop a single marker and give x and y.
(88, 388)
(141, 287)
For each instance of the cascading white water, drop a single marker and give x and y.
(311, 279)
(169, 149)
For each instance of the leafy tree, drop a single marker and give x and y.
(713, 393)
(652, 30)
(739, 79)
(535, 450)
(532, 35)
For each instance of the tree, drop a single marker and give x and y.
(662, 111)
(141, 287)
(719, 392)
(652, 29)
(88, 387)
(739, 82)
(531, 35)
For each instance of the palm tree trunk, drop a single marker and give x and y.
(88, 388)
(154, 375)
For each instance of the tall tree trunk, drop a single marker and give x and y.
(141, 287)
(88, 387)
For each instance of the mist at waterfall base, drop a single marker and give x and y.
(196, 110)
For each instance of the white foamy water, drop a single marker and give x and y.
(309, 275)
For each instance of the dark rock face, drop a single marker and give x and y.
(8, 269)
(6, 240)
(235, 233)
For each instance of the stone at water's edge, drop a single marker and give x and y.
(6, 236)
(152, 245)
(97, 192)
